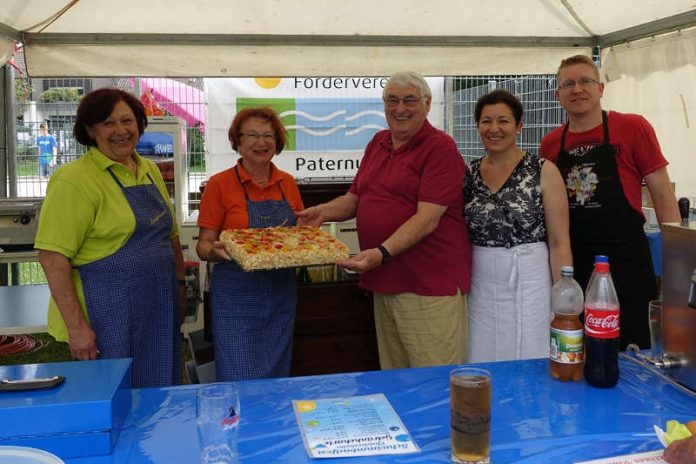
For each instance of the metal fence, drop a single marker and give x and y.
(25, 274)
(60, 118)
(542, 112)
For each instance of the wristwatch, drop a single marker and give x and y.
(386, 256)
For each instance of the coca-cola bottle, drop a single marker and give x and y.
(566, 351)
(597, 259)
(601, 329)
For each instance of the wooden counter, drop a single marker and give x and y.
(334, 330)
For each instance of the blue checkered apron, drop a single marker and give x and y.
(254, 312)
(131, 295)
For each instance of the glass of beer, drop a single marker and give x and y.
(470, 415)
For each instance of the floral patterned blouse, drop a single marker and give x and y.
(512, 216)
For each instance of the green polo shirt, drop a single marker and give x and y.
(85, 216)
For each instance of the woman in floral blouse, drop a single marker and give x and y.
(517, 211)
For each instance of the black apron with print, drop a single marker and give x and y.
(603, 222)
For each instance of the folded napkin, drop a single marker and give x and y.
(675, 431)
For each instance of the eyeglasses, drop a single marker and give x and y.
(266, 136)
(584, 83)
(409, 101)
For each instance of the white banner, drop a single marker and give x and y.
(329, 120)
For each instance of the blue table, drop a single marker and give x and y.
(534, 419)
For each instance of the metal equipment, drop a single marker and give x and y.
(678, 288)
(19, 219)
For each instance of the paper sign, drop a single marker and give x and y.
(355, 426)
(650, 457)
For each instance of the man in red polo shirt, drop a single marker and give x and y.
(415, 251)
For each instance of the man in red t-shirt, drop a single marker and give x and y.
(603, 158)
(416, 255)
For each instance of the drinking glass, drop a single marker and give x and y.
(217, 417)
(655, 313)
(470, 415)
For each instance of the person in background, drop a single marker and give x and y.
(415, 251)
(253, 312)
(109, 246)
(603, 158)
(517, 212)
(48, 150)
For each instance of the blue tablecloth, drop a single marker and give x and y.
(535, 419)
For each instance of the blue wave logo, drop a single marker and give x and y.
(335, 124)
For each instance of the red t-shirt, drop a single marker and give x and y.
(637, 150)
(223, 205)
(389, 185)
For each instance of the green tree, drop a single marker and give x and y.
(22, 89)
(196, 147)
(22, 94)
(60, 94)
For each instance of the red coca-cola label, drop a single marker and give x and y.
(602, 323)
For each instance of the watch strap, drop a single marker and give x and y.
(386, 256)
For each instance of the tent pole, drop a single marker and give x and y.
(9, 163)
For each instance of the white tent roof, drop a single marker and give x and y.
(321, 37)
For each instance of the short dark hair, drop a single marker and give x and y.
(577, 59)
(499, 96)
(98, 105)
(265, 113)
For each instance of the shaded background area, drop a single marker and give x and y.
(47, 349)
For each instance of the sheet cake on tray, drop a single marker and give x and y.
(282, 247)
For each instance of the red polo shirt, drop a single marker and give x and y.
(389, 185)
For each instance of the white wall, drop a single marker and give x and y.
(657, 78)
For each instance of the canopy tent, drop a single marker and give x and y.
(647, 71)
(178, 99)
(322, 38)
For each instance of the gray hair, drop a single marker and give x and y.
(406, 78)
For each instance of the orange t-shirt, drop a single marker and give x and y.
(223, 205)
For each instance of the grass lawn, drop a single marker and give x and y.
(28, 167)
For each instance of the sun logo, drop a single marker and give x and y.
(306, 406)
(267, 82)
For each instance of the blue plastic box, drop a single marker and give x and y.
(80, 417)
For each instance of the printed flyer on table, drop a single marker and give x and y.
(355, 426)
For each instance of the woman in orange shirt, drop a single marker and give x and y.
(253, 312)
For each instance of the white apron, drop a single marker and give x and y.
(509, 303)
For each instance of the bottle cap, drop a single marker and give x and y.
(567, 271)
(601, 259)
(601, 267)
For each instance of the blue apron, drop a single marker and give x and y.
(254, 312)
(131, 295)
